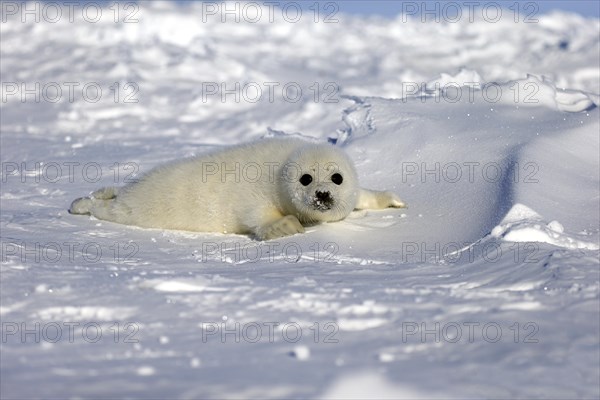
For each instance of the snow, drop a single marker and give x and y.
(486, 286)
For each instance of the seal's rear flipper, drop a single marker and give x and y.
(81, 206)
(106, 193)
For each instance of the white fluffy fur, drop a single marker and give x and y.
(252, 188)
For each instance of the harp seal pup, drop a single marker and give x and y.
(268, 188)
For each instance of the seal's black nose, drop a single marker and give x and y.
(325, 197)
(323, 201)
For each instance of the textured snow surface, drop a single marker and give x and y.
(486, 286)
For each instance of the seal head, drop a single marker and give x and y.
(319, 184)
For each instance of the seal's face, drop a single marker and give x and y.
(319, 184)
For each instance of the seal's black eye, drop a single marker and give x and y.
(337, 179)
(305, 179)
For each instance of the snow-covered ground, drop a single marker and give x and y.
(486, 286)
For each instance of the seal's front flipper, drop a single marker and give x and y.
(286, 226)
(375, 200)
